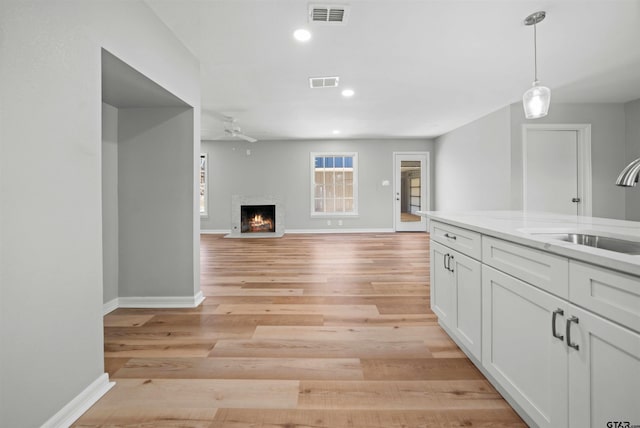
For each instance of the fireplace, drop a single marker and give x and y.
(257, 218)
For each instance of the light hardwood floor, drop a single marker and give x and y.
(302, 331)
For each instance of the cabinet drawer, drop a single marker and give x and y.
(462, 240)
(608, 293)
(546, 271)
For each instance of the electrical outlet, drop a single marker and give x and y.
(328, 222)
(339, 222)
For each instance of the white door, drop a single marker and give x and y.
(410, 191)
(551, 171)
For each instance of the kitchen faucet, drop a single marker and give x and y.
(629, 175)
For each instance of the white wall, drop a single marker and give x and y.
(632, 116)
(109, 203)
(282, 169)
(155, 185)
(473, 165)
(607, 151)
(50, 187)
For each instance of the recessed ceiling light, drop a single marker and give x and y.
(335, 131)
(302, 35)
(348, 93)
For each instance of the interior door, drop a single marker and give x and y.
(410, 191)
(551, 171)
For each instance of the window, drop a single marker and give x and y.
(203, 185)
(334, 184)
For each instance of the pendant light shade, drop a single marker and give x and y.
(537, 98)
(536, 101)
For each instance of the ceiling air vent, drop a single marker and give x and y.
(323, 82)
(326, 14)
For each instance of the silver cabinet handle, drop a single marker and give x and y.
(446, 235)
(446, 259)
(569, 344)
(553, 324)
(450, 268)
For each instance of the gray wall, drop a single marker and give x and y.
(479, 165)
(632, 116)
(607, 151)
(109, 202)
(472, 165)
(281, 169)
(155, 195)
(51, 338)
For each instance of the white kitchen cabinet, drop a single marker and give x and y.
(604, 372)
(544, 270)
(456, 295)
(610, 294)
(560, 327)
(519, 348)
(462, 240)
(442, 285)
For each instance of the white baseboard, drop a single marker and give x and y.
(341, 230)
(153, 302)
(80, 404)
(161, 301)
(215, 231)
(110, 306)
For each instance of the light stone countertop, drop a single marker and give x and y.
(523, 228)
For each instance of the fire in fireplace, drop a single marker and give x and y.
(258, 218)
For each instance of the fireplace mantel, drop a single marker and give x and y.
(237, 201)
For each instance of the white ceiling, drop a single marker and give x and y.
(419, 68)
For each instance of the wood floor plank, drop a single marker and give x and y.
(382, 320)
(243, 368)
(147, 417)
(400, 395)
(251, 309)
(420, 369)
(269, 418)
(202, 393)
(333, 333)
(218, 321)
(141, 349)
(114, 320)
(224, 290)
(319, 349)
(305, 331)
(112, 365)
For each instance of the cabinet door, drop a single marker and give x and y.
(604, 373)
(519, 349)
(468, 301)
(442, 286)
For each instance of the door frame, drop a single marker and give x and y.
(583, 131)
(425, 191)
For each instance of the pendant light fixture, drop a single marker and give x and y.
(537, 99)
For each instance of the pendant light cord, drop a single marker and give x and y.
(535, 54)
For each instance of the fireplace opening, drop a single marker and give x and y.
(257, 218)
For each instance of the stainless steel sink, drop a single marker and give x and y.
(603, 242)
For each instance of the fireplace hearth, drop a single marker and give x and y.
(257, 219)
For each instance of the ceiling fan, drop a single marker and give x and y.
(232, 129)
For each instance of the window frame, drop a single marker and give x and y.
(205, 213)
(312, 168)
